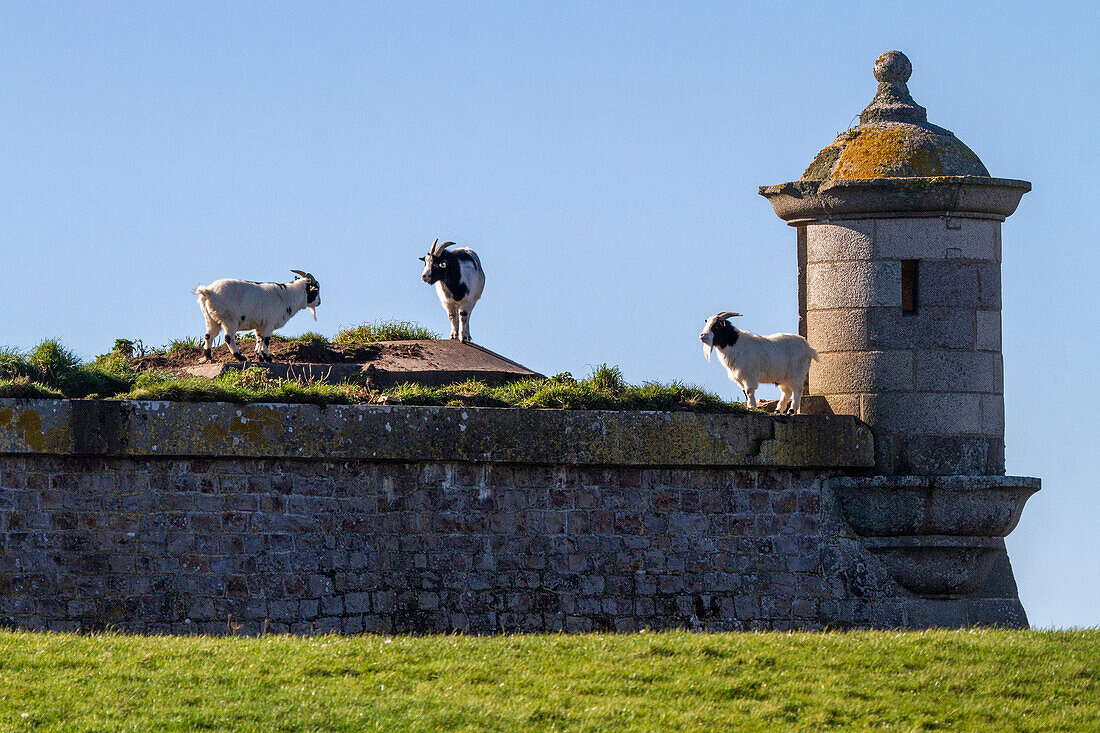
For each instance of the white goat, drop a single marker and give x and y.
(243, 305)
(458, 280)
(782, 359)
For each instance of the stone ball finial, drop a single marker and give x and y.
(893, 67)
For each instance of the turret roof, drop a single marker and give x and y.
(894, 138)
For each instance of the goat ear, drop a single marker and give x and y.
(424, 258)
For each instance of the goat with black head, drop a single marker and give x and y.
(243, 305)
(458, 280)
(750, 360)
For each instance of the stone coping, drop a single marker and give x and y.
(405, 433)
(802, 202)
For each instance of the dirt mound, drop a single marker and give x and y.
(289, 352)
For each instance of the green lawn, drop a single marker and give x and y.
(981, 680)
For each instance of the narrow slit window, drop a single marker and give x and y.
(909, 286)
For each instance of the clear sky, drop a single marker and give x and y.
(602, 158)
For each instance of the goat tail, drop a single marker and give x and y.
(202, 291)
(813, 354)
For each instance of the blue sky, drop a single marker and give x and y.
(602, 158)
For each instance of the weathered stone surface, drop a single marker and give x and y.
(802, 202)
(429, 433)
(938, 566)
(937, 238)
(954, 371)
(862, 371)
(940, 455)
(35, 426)
(993, 414)
(881, 329)
(924, 412)
(853, 284)
(840, 241)
(816, 442)
(960, 284)
(988, 330)
(243, 545)
(973, 506)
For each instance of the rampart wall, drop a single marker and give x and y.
(215, 518)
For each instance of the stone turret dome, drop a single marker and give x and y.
(894, 138)
(895, 162)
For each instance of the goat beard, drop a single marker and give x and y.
(313, 311)
(706, 350)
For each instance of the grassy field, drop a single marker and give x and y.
(979, 680)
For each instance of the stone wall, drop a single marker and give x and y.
(159, 517)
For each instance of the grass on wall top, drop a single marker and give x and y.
(52, 371)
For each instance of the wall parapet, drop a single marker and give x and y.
(405, 433)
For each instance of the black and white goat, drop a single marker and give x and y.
(243, 305)
(458, 279)
(782, 359)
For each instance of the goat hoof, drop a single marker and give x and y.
(239, 357)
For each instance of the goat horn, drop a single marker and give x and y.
(302, 274)
(727, 314)
(443, 246)
(431, 250)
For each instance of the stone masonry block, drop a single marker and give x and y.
(928, 328)
(853, 285)
(856, 372)
(842, 329)
(938, 238)
(927, 413)
(954, 371)
(993, 414)
(947, 455)
(959, 284)
(842, 404)
(988, 330)
(840, 241)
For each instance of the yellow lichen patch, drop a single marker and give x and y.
(29, 424)
(888, 152)
(893, 151)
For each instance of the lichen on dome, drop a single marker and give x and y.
(894, 138)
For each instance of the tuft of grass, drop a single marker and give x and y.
(604, 389)
(53, 367)
(309, 338)
(23, 387)
(245, 385)
(184, 346)
(384, 331)
(949, 680)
